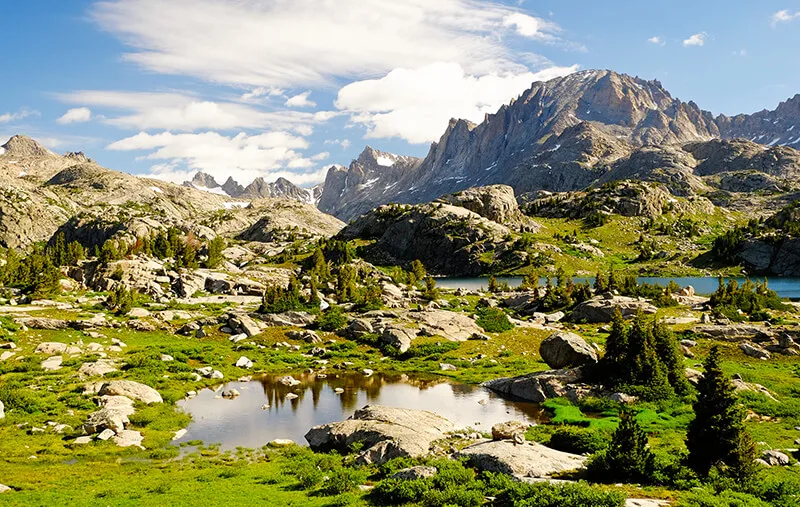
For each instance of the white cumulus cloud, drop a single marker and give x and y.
(76, 115)
(280, 43)
(19, 115)
(656, 40)
(416, 105)
(697, 39)
(784, 16)
(245, 157)
(181, 112)
(300, 100)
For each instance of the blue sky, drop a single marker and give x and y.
(288, 87)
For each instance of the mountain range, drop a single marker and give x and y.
(257, 189)
(572, 132)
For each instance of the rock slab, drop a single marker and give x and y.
(385, 433)
(565, 350)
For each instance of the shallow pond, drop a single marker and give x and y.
(245, 422)
(703, 285)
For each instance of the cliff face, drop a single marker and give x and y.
(604, 113)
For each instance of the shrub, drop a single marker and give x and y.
(332, 319)
(578, 440)
(343, 480)
(493, 320)
(214, 256)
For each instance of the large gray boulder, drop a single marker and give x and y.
(399, 337)
(450, 325)
(385, 433)
(98, 368)
(564, 350)
(601, 308)
(753, 350)
(536, 387)
(528, 459)
(132, 390)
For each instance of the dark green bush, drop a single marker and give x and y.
(332, 319)
(493, 320)
(578, 440)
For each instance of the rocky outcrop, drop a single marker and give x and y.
(536, 387)
(781, 257)
(277, 218)
(450, 325)
(565, 350)
(601, 308)
(622, 197)
(495, 202)
(449, 240)
(385, 433)
(528, 459)
(398, 337)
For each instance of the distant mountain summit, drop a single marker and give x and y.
(778, 127)
(258, 189)
(560, 135)
(370, 180)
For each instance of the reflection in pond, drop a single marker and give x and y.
(245, 421)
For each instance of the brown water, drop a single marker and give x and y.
(243, 422)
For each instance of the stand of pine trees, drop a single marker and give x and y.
(644, 359)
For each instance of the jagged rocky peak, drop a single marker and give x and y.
(778, 127)
(204, 180)
(231, 187)
(78, 156)
(371, 158)
(348, 192)
(24, 146)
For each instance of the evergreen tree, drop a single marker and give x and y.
(58, 250)
(418, 269)
(671, 357)
(75, 253)
(215, 248)
(431, 292)
(628, 458)
(644, 368)
(346, 288)
(717, 437)
(120, 300)
(529, 282)
(320, 265)
(616, 356)
(45, 277)
(109, 252)
(600, 283)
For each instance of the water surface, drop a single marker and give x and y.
(243, 422)
(703, 285)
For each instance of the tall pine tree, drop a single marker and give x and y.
(670, 355)
(628, 459)
(717, 437)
